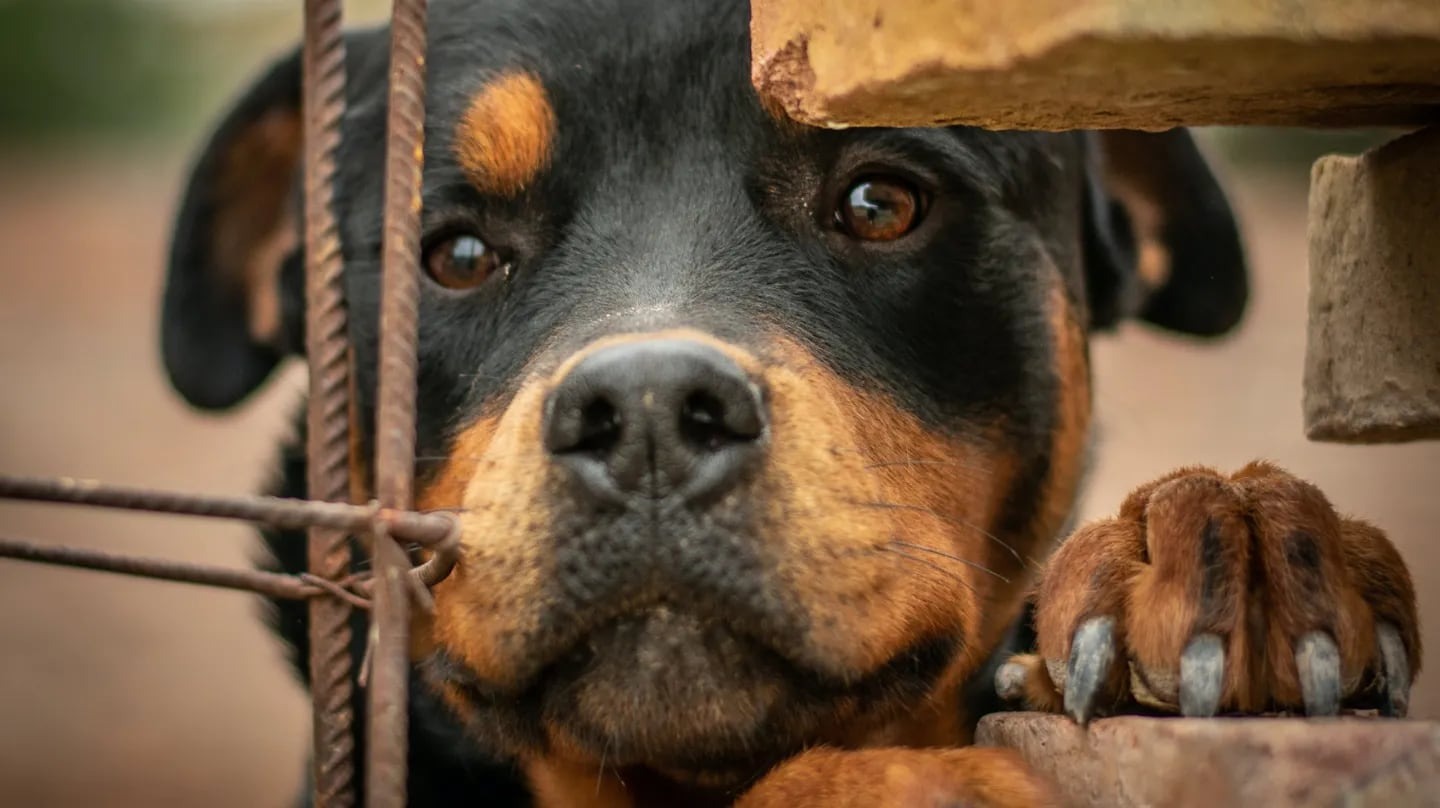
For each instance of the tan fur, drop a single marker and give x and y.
(1071, 434)
(994, 778)
(1040, 691)
(255, 223)
(1133, 178)
(506, 135)
(559, 783)
(850, 472)
(361, 487)
(484, 604)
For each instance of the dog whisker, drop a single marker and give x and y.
(954, 520)
(600, 775)
(918, 462)
(967, 562)
(932, 565)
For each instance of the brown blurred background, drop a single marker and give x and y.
(117, 692)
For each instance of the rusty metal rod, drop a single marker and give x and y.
(327, 449)
(271, 584)
(356, 589)
(386, 774)
(427, 529)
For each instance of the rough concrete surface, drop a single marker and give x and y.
(1183, 763)
(1372, 363)
(1062, 64)
(116, 692)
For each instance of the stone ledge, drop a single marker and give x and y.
(1133, 761)
(1074, 64)
(1372, 356)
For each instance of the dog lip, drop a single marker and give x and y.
(544, 659)
(803, 695)
(580, 638)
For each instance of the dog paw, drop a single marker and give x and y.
(901, 778)
(1211, 594)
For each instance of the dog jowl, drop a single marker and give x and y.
(755, 431)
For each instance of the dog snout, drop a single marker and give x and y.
(661, 417)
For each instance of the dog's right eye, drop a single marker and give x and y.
(463, 262)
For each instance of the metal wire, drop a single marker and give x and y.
(328, 407)
(270, 584)
(388, 679)
(330, 521)
(427, 529)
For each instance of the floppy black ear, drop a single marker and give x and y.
(1161, 241)
(233, 303)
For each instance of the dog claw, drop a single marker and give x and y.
(1202, 676)
(1092, 653)
(1317, 659)
(1010, 681)
(1395, 668)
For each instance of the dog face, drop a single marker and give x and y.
(754, 430)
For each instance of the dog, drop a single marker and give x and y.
(760, 435)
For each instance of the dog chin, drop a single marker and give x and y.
(664, 688)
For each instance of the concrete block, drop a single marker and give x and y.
(1372, 358)
(1179, 763)
(1073, 64)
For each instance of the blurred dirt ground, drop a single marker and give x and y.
(120, 692)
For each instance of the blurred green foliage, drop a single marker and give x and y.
(81, 69)
(1290, 151)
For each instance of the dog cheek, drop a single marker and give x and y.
(496, 479)
(870, 518)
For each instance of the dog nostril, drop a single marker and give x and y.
(657, 417)
(702, 421)
(599, 428)
(707, 423)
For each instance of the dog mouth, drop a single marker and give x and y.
(676, 689)
(657, 685)
(663, 678)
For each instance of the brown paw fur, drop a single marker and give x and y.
(1210, 593)
(902, 778)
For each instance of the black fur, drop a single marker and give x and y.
(670, 190)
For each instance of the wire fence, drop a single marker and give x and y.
(331, 517)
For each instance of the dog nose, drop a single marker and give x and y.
(659, 417)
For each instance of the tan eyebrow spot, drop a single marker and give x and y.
(504, 138)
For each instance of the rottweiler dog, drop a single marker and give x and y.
(761, 435)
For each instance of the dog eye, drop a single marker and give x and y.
(879, 209)
(463, 262)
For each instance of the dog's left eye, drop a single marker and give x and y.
(463, 262)
(879, 209)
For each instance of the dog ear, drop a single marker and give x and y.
(234, 294)
(1161, 241)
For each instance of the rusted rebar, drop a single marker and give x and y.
(395, 419)
(327, 415)
(353, 590)
(427, 529)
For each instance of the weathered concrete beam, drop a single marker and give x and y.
(1177, 763)
(1372, 360)
(1075, 64)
